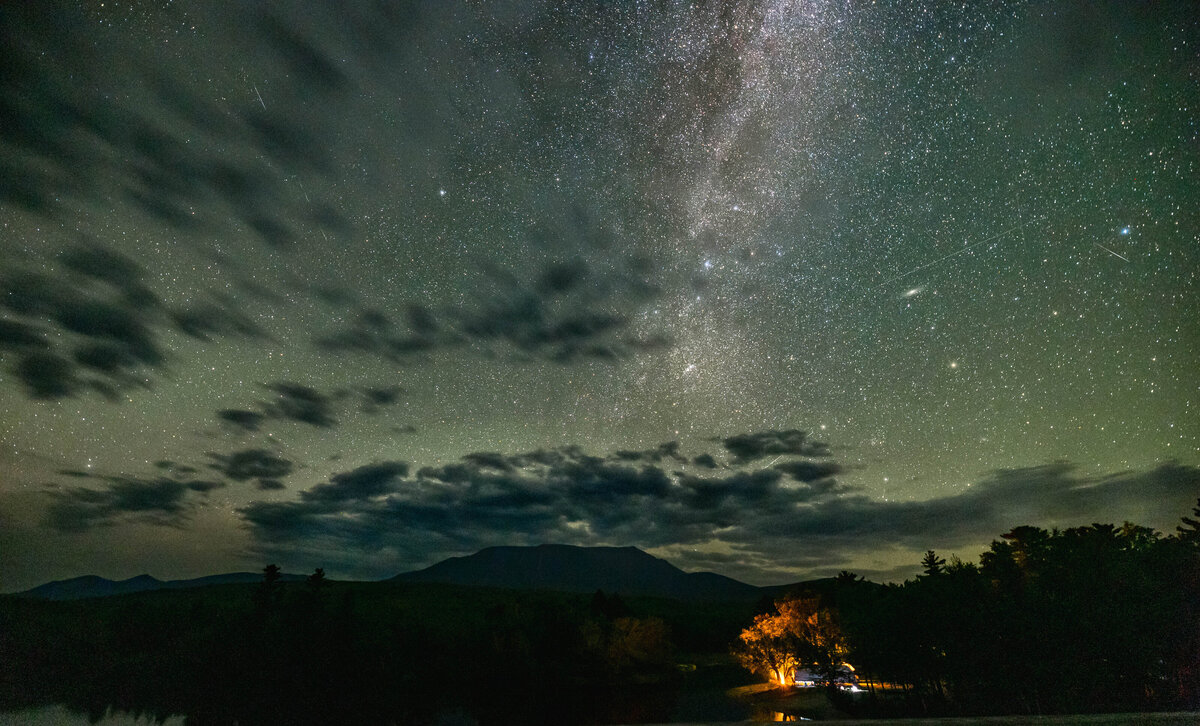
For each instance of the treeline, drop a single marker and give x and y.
(1089, 619)
(327, 652)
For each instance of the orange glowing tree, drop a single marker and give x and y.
(801, 634)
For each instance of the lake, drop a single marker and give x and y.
(62, 716)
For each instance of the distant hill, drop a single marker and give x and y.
(626, 571)
(78, 588)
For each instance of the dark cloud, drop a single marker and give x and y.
(373, 332)
(242, 419)
(89, 137)
(770, 519)
(46, 375)
(161, 499)
(737, 490)
(219, 316)
(18, 336)
(296, 402)
(303, 404)
(303, 57)
(809, 471)
(104, 357)
(362, 483)
(251, 464)
(669, 450)
(571, 312)
(97, 325)
(705, 460)
(376, 398)
(94, 261)
(158, 501)
(120, 329)
(551, 495)
(793, 442)
(560, 278)
(174, 467)
(489, 460)
(269, 485)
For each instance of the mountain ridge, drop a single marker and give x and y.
(571, 568)
(90, 586)
(628, 571)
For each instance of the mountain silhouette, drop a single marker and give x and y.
(626, 571)
(78, 588)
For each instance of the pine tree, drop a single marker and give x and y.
(933, 564)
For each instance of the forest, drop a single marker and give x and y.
(1089, 619)
(1100, 618)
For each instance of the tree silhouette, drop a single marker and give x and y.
(846, 577)
(266, 595)
(1189, 531)
(932, 564)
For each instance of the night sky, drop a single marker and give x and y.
(772, 289)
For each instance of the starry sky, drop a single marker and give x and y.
(773, 288)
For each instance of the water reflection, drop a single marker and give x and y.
(63, 716)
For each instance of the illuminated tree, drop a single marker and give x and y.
(766, 648)
(802, 634)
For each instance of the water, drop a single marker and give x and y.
(63, 716)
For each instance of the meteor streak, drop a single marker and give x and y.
(1114, 254)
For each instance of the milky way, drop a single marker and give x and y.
(770, 288)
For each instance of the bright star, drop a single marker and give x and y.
(1126, 230)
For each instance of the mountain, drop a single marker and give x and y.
(626, 571)
(87, 586)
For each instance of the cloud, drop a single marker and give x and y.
(46, 375)
(749, 447)
(569, 313)
(768, 520)
(20, 336)
(295, 402)
(248, 464)
(364, 482)
(154, 500)
(376, 398)
(217, 316)
(80, 139)
(96, 325)
(669, 450)
(809, 471)
(561, 495)
(242, 419)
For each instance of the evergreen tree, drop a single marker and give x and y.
(1189, 531)
(932, 564)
